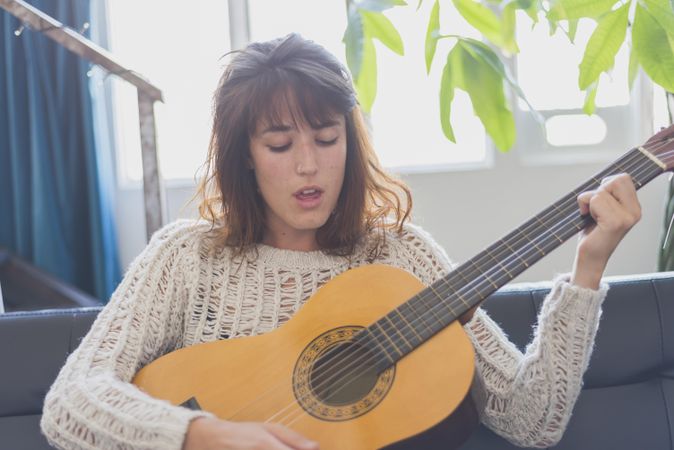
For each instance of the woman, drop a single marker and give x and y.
(294, 196)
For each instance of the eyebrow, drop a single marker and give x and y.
(282, 128)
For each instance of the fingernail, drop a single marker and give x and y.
(310, 445)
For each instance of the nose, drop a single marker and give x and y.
(306, 163)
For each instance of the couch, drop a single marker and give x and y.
(627, 402)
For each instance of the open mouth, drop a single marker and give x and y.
(309, 198)
(308, 194)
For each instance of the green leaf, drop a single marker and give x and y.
(447, 85)
(432, 35)
(662, 11)
(378, 26)
(378, 5)
(552, 21)
(573, 27)
(633, 68)
(485, 88)
(353, 41)
(577, 9)
(603, 45)
(482, 18)
(530, 7)
(590, 95)
(366, 83)
(509, 25)
(654, 52)
(481, 50)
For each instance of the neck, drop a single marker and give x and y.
(301, 242)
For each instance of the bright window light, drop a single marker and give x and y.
(180, 54)
(552, 83)
(575, 129)
(405, 117)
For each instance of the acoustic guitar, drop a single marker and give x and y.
(375, 358)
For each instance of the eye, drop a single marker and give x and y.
(281, 148)
(327, 143)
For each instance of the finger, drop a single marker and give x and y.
(623, 189)
(271, 442)
(583, 200)
(291, 437)
(609, 213)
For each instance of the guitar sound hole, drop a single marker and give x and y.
(343, 374)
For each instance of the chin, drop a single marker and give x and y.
(313, 223)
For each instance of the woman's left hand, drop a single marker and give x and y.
(615, 208)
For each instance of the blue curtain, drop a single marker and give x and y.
(55, 188)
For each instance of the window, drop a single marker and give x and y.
(551, 86)
(179, 53)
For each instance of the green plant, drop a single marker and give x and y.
(476, 67)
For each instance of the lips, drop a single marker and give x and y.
(308, 192)
(309, 197)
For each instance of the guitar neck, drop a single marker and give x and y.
(437, 306)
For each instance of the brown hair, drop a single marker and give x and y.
(259, 83)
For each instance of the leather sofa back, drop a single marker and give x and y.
(627, 401)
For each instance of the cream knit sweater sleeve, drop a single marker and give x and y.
(528, 397)
(92, 403)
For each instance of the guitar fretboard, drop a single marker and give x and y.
(434, 308)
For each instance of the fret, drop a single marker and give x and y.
(622, 169)
(500, 264)
(441, 300)
(533, 242)
(465, 302)
(515, 253)
(460, 273)
(561, 212)
(409, 326)
(380, 342)
(550, 230)
(483, 274)
(422, 317)
(388, 336)
(399, 331)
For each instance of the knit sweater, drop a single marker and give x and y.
(183, 290)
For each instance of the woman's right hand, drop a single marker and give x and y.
(207, 433)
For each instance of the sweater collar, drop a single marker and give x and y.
(297, 259)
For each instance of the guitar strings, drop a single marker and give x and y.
(529, 248)
(638, 169)
(328, 398)
(480, 281)
(483, 280)
(351, 365)
(574, 209)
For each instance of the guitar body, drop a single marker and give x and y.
(272, 377)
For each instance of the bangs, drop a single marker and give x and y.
(278, 94)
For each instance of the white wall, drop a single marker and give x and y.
(467, 210)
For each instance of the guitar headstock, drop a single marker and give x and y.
(661, 146)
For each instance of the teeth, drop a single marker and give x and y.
(308, 192)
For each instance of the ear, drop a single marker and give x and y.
(249, 163)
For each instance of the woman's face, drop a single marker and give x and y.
(299, 172)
